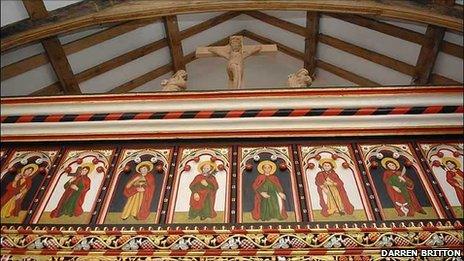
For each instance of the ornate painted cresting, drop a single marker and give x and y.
(174, 241)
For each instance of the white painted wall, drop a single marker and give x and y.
(265, 71)
(54, 4)
(12, 11)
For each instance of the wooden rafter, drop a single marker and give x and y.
(367, 54)
(395, 31)
(147, 77)
(277, 22)
(353, 49)
(428, 55)
(362, 81)
(56, 55)
(134, 54)
(398, 32)
(35, 61)
(85, 14)
(312, 32)
(109, 65)
(121, 60)
(152, 75)
(175, 42)
(347, 75)
(339, 44)
(281, 47)
(198, 28)
(441, 80)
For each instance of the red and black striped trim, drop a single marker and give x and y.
(233, 114)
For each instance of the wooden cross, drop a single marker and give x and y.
(235, 52)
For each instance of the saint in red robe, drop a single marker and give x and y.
(203, 206)
(403, 197)
(453, 177)
(336, 200)
(138, 203)
(272, 207)
(18, 186)
(72, 200)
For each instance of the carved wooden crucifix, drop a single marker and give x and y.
(235, 52)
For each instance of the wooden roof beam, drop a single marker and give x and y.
(139, 81)
(277, 22)
(152, 75)
(398, 32)
(428, 55)
(281, 47)
(312, 32)
(336, 43)
(142, 51)
(366, 54)
(56, 55)
(90, 13)
(349, 76)
(109, 65)
(344, 74)
(175, 42)
(37, 60)
(210, 23)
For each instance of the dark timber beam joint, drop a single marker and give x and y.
(55, 52)
(428, 55)
(174, 41)
(312, 32)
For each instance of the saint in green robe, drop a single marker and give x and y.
(268, 208)
(203, 205)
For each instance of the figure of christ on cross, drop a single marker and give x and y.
(235, 52)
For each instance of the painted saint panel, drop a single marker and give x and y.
(267, 186)
(446, 162)
(72, 194)
(201, 186)
(403, 192)
(21, 178)
(137, 185)
(333, 185)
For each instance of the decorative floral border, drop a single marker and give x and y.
(283, 241)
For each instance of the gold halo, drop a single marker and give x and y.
(328, 160)
(146, 163)
(267, 162)
(34, 166)
(384, 162)
(90, 165)
(213, 165)
(454, 160)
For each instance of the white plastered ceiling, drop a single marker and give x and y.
(265, 71)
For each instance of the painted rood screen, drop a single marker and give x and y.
(232, 183)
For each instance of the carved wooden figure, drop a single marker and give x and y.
(300, 79)
(178, 82)
(235, 52)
